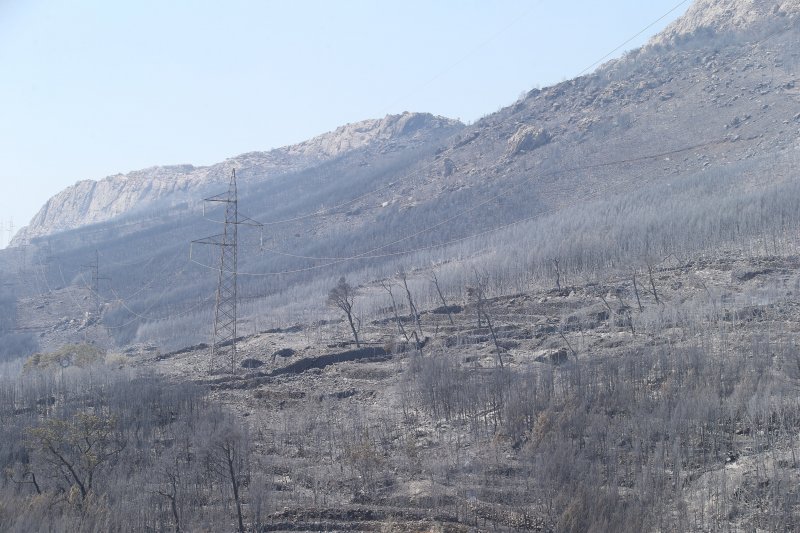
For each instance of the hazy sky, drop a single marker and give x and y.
(90, 88)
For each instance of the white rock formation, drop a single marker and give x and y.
(90, 201)
(727, 15)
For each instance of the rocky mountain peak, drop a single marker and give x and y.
(90, 201)
(366, 132)
(728, 15)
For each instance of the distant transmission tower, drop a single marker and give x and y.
(223, 349)
(10, 229)
(96, 279)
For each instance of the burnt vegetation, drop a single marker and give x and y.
(615, 347)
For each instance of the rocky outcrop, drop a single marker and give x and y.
(526, 139)
(368, 132)
(721, 16)
(448, 167)
(91, 201)
(94, 201)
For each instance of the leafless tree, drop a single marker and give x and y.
(387, 286)
(636, 291)
(227, 454)
(343, 296)
(412, 309)
(435, 281)
(558, 273)
(477, 294)
(652, 281)
(73, 452)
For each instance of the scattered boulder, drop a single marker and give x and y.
(448, 167)
(746, 274)
(443, 310)
(291, 329)
(341, 395)
(748, 313)
(555, 357)
(466, 140)
(284, 352)
(526, 139)
(311, 364)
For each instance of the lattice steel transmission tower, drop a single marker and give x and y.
(96, 279)
(10, 229)
(223, 349)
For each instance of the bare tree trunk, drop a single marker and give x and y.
(494, 338)
(558, 274)
(441, 297)
(402, 330)
(173, 504)
(353, 328)
(479, 292)
(343, 296)
(229, 460)
(602, 297)
(636, 292)
(412, 308)
(23, 481)
(174, 508)
(569, 345)
(39, 490)
(652, 282)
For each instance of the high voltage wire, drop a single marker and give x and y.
(365, 255)
(140, 316)
(119, 299)
(659, 19)
(463, 58)
(508, 190)
(331, 211)
(469, 53)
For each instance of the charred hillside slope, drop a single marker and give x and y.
(687, 145)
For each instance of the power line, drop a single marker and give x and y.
(364, 255)
(367, 254)
(505, 192)
(333, 209)
(612, 52)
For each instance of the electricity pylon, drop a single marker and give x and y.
(223, 349)
(10, 229)
(96, 279)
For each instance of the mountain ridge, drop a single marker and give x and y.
(92, 201)
(722, 16)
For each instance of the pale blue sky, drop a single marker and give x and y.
(91, 88)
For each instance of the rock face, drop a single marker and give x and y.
(90, 201)
(527, 138)
(448, 167)
(728, 15)
(367, 132)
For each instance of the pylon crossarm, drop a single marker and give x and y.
(247, 221)
(216, 240)
(221, 197)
